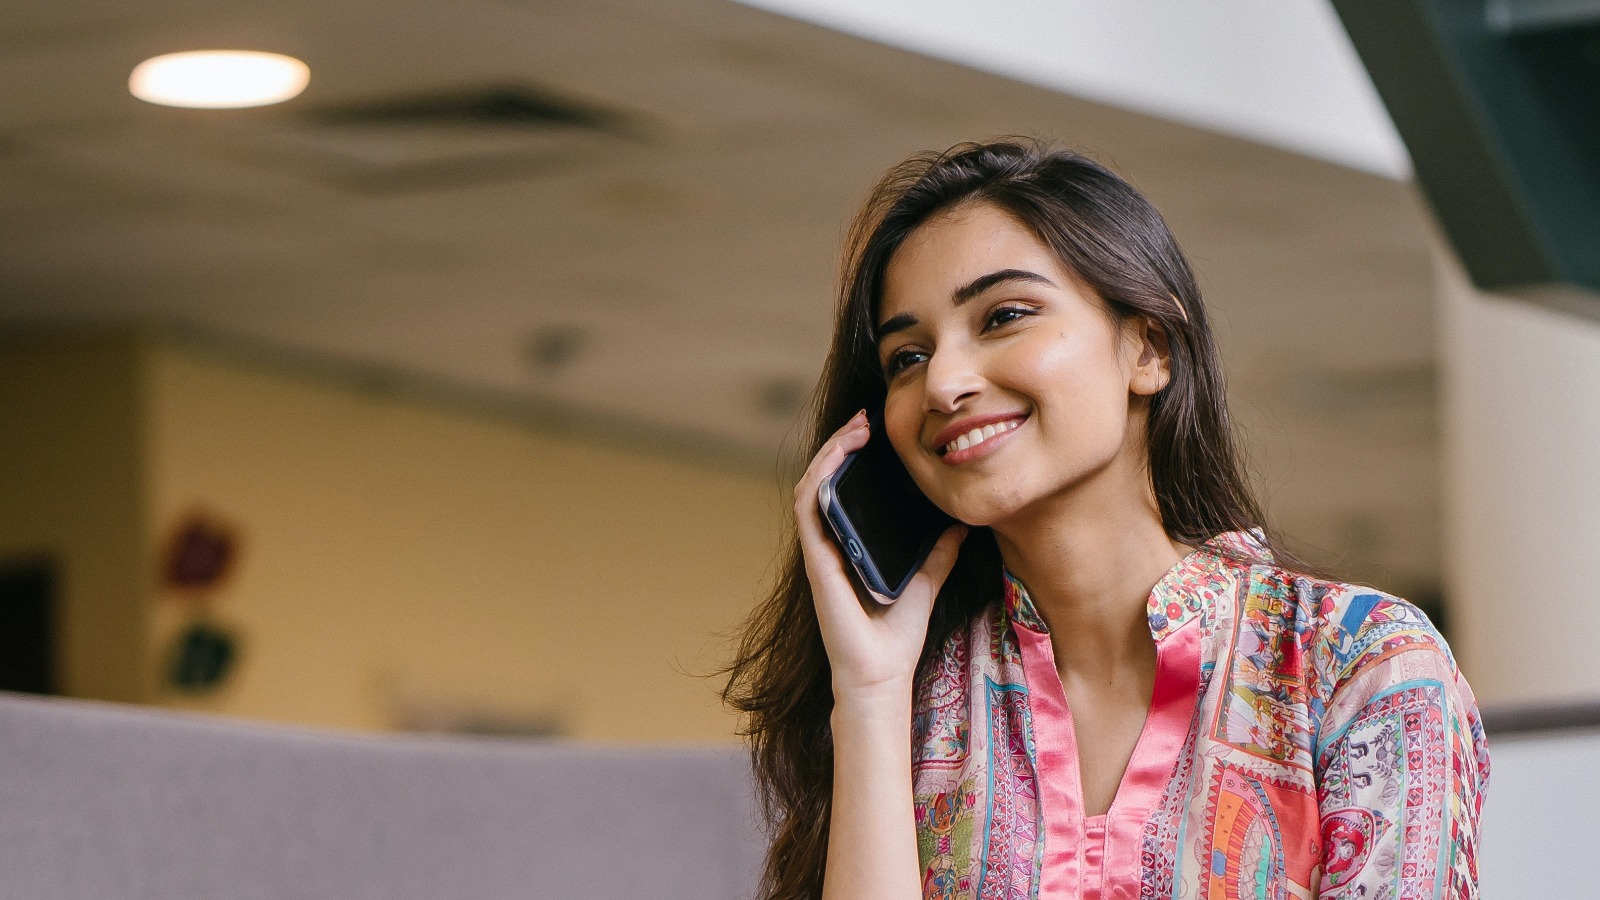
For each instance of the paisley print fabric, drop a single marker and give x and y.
(1305, 739)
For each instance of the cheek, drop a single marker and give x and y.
(1079, 389)
(1066, 368)
(901, 420)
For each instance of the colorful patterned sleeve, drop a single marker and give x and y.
(1401, 760)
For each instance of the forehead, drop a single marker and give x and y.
(953, 248)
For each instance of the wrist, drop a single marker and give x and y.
(890, 699)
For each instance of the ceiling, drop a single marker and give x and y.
(664, 276)
(1281, 72)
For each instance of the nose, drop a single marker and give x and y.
(952, 378)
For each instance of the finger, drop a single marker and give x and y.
(936, 568)
(855, 422)
(807, 502)
(848, 433)
(915, 606)
(844, 444)
(827, 461)
(943, 556)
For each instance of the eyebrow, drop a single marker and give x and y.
(962, 294)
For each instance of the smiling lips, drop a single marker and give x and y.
(976, 437)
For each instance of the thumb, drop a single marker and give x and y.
(941, 559)
(943, 556)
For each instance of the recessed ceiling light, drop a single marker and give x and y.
(219, 79)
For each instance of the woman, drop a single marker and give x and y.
(1105, 682)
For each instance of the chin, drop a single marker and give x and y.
(981, 511)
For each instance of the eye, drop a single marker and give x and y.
(1005, 315)
(900, 360)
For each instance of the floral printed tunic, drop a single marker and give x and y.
(1305, 738)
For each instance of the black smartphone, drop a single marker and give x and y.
(882, 521)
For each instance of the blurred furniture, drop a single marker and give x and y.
(124, 803)
(1539, 822)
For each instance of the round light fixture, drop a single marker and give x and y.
(219, 79)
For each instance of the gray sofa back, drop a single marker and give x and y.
(125, 803)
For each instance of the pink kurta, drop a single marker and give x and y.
(1302, 733)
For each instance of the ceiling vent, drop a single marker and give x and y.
(513, 106)
(448, 139)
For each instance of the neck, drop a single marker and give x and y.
(1089, 561)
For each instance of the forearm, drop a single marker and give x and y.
(872, 839)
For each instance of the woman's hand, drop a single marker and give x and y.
(873, 644)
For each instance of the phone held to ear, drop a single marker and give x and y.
(881, 520)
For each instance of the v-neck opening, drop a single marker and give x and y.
(1082, 852)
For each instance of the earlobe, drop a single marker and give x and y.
(1151, 379)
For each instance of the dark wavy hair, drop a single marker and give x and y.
(1115, 242)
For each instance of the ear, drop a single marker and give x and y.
(1152, 354)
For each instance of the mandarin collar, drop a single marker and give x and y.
(1186, 591)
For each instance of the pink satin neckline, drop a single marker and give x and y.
(1097, 857)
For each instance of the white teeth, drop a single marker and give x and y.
(979, 435)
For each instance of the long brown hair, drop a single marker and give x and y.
(1110, 236)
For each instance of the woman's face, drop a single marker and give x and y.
(1009, 382)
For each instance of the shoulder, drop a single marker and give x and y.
(1346, 626)
(1372, 657)
(1359, 626)
(1351, 637)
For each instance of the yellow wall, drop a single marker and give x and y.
(399, 554)
(72, 490)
